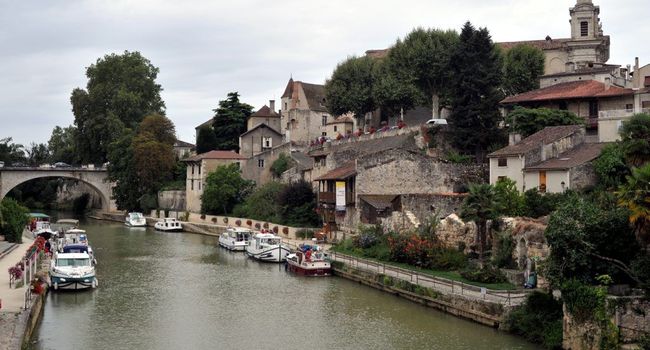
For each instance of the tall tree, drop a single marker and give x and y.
(475, 94)
(121, 171)
(393, 91)
(523, 64)
(10, 152)
(635, 196)
(635, 137)
(423, 59)
(62, 144)
(224, 188)
(121, 90)
(206, 140)
(37, 154)
(481, 205)
(230, 121)
(528, 121)
(350, 88)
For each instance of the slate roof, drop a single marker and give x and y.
(314, 93)
(579, 155)
(216, 154)
(378, 201)
(288, 91)
(265, 111)
(569, 90)
(261, 125)
(545, 136)
(550, 44)
(341, 173)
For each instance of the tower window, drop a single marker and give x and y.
(584, 28)
(324, 120)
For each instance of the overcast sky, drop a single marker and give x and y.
(207, 48)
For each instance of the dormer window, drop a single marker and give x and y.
(584, 28)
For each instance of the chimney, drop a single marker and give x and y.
(272, 105)
(636, 75)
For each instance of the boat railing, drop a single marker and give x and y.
(443, 285)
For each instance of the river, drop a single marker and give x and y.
(181, 291)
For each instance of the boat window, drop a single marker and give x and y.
(73, 262)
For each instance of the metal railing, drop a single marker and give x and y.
(442, 285)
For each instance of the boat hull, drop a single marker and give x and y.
(73, 283)
(167, 229)
(233, 246)
(311, 270)
(273, 254)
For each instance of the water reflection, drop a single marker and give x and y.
(180, 291)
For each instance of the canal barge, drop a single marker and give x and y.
(168, 225)
(135, 220)
(235, 239)
(309, 260)
(267, 247)
(73, 270)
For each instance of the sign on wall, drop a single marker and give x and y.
(340, 195)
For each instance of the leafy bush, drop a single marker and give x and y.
(644, 342)
(368, 236)
(610, 166)
(14, 219)
(584, 302)
(537, 204)
(641, 268)
(487, 274)
(539, 320)
(456, 158)
(504, 245)
(262, 204)
(510, 201)
(298, 203)
(280, 165)
(419, 251)
(447, 259)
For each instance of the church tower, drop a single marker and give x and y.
(588, 46)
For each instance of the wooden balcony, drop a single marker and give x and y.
(326, 197)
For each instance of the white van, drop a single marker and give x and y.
(437, 122)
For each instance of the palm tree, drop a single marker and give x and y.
(635, 195)
(480, 205)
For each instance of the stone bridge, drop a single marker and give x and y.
(97, 178)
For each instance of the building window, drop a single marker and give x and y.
(629, 107)
(593, 109)
(199, 169)
(192, 169)
(323, 133)
(563, 105)
(323, 162)
(199, 185)
(260, 163)
(324, 120)
(501, 178)
(334, 128)
(192, 185)
(267, 142)
(285, 106)
(584, 28)
(502, 162)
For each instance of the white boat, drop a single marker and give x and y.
(235, 238)
(309, 260)
(135, 220)
(72, 236)
(73, 271)
(267, 247)
(168, 224)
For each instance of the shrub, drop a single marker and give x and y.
(487, 274)
(457, 158)
(368, 236)
(644, 342)
(539, 320)
(504, 245)
(14, 219)
(280, 165)
(448, 259)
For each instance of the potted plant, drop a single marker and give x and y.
(238, 222)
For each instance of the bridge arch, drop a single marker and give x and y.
(95, 178)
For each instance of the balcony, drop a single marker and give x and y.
(327, 197)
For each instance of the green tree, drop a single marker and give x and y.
(635, 196)
(423, 59)
(14, 219)
(122, 172)
(635, 136)
(480, 206)
(475, 92)
(230, 121)
(393, 91)
(153, 152)
(523, 64)
(280, 165)
(121, 90)
(263, 204)
(37, 154)
(587, 241)
(350, 88)
(610, 166)
(224, 188)
(10, 152)
(528, 121)
(298, 203)
(206, 140)
(62, 145)
(510, 201)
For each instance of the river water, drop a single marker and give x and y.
(181, 291)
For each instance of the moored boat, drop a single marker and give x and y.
(168, 224)
(309, 260)
(267, 247)
(235, 238)
(135, 220)
(70, 270)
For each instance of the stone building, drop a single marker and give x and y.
(258, 167)
(303, 112)
(343, 125)
(260, 138)
(183, 149)
(198, 168)
(554, 159)
(265, 115)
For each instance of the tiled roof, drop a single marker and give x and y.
(342, 119)
(348, 169)
(303, 161)
(550, 44)
(569, 90)
(288, 91)
(378, 201)
(180, 143)
(381, 53)
(545, 136)
(261, 125)
(265, 111)
(315, 96)
(215, 155)
(572, 158)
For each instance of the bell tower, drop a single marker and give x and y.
(588, 45)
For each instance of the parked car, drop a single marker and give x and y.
(437, 122)
(61, 165)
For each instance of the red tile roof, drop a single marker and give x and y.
(572, 158)
(569, 90)
(216, 154)
(545, 136)
(265, 111)
(348, 169)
